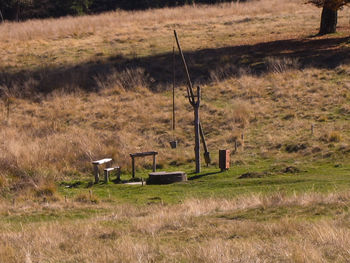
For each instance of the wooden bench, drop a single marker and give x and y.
(110, 169)
(106, 161)
(142, 154)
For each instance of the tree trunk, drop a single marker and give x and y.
(329, 21)
(18, 9)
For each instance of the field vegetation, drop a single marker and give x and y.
(78, 89)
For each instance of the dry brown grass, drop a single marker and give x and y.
(58, 42)
(195, 231)
(54, 137)
(123, 22)
(60, 135)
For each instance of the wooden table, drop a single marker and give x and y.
(106, 161)
(142, 154)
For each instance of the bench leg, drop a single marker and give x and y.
(106, 177)
(118, 174)
(96, 173)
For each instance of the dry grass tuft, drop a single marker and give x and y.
(280, 65)
(86, 198)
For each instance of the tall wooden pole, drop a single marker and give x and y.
(195, 104)
(174, 89)
(197, 131)
(189, 82)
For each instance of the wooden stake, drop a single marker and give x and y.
(312, 129)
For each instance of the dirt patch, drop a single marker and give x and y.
(291, 169)
(253, 175)
(290, 148)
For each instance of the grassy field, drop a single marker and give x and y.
(78, 89)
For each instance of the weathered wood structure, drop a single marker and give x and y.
(142, 154)
(194, 100)
(107, 170)
(224, 160)
(106, 161)
(110, 169)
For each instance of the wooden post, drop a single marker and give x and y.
(196, 132)
(312, 129)
(236, 146)
(96, 173)
(224, 160)
(173, 90)
(242, 137)
(133, 166)
(154, 163)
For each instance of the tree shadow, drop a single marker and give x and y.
(205, 65)
(202, 175)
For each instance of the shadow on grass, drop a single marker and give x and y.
(202, 175)
(156, 71)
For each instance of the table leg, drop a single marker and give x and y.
(96, 173)
(133, 167)
(106, 176)
(154, 163)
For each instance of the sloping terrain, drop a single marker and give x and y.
(79, 89)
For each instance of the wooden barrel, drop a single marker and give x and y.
(166, 177)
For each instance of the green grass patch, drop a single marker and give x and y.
(211, 183)
(309, 212)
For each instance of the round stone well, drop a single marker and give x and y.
(166, 177)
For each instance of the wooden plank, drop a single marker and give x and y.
(142, 154)
(102, 161)
(111, 169)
